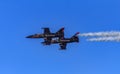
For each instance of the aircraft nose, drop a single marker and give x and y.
(30, 36)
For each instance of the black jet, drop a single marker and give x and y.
(47, 35)
(63, 41)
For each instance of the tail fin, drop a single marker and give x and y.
(75, 37)
(61, 30)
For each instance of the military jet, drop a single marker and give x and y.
(63, 41)
(47, 35)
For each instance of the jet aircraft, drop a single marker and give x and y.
(47, 35)
(63, 41)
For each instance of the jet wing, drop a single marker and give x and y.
(63, 46)
(47, 40)
(46, 30)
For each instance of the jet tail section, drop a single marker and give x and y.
(61, 30)
(75, 37)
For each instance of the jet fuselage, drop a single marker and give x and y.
(65, 40)
(51, 35)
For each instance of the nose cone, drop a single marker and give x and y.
(34, 36)
(30, 36)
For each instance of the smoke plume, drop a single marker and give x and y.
(105, 39)
(102, 34)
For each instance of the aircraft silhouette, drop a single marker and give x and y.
(64, 41)
(59, 35)
(47, 35)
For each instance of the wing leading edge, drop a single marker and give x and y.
(63, 46)
(46, 30)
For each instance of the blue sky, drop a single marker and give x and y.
(19, 18)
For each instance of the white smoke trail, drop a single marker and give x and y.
(102, 34)
(105, 39)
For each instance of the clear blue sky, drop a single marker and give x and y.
(19, 18)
